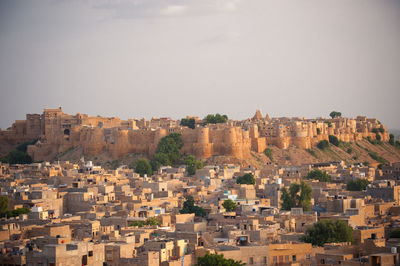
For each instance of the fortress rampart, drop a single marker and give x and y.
(57, 132)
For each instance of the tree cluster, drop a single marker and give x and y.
(319, 175)
(395, 234)
(393, 141)
(5, 210)
(17, 157)
(188, 122)
(335, 114)
(377, 158)
(376, 141)
(168, 151)
(143, 167)
(217, 260)
(189, 207)
(215, 119)
(149, 221)
(357, 185)
(378, 130)
(323, 144)
(192, 164)
(19, 154)
(298, 196)
(334, 140)
(327, 231)
(229, 205)
(268, 153)
(246, 179)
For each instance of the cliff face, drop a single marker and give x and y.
(58, 132)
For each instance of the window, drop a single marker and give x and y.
(294, 258)
(308, 256)
(265, 260)
(286, 258)
(251, 261)
(90, 253)
(274, 259)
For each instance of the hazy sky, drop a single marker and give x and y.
(144, 58)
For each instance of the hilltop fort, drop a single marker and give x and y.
(56, 132)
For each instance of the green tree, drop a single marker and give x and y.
(378, 130)
(152, 221)
(15, 213)
(136, 223)
(298, 196)
(376, 141)
(24, 146)
(148, 221)
(377, 158)
(334, 140)
(268, 153)
(318, 131)
(189, 207)
(171, 145)
(158, 160)
(17, 157)
(391, 139)
(246, 179)
(4, 201)
(188, 122)
(327, 231)
(229, 205)
(323, 144)
(192, 164)
(217, 260)
(215, 119)
(395, 234)
(143, 167)
(317, 174)
(335, 114)
(168, 151)
(357, 185)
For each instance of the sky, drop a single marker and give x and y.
(172, 58)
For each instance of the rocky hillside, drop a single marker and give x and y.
(361, 151)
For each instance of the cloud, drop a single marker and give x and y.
(173, 10)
